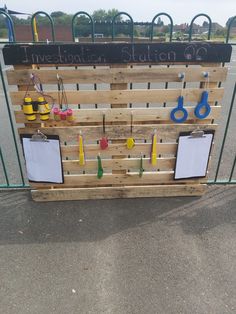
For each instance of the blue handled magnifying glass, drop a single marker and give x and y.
(179, 110)
(203, 109)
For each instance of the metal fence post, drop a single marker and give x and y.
(191, 25)
(4, 167)
(33, 21)
(11, 31)
(73, 22)
(225, 133)
(229, 28)
(153, 21)
(12, 126)
(131, 25)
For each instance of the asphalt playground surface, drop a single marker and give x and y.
(130, 256)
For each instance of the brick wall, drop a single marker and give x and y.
(62, 33)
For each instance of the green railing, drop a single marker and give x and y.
(191, 25)
(131, 25)
(33, 17)
(22, 180)
(10, 26)
(73, 23)
(229, 180)
(153, 23)
(113, 24)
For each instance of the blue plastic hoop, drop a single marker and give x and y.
(179, 108)
(203, 104)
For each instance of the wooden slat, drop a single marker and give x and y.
(125, 96)
(113, 115)
(119, 86)
(72, 66)
(118, 192)
(131, 178)
(167, 163)
(71, 151)
(139, 74)
(164, 132)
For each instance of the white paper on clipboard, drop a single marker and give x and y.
(43, 160)
(193, 156)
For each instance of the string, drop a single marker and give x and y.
(62, 97)
(36, 83)
(182, 76)
(207, 81)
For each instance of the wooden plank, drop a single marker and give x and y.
(125, 96)
(118, 192)
(90, 116)
(164, 132)
(167, 163)
(130, 178)
(140, 74)
(71, 151)
(119, 86)
(164, 63)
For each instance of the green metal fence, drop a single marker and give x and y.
(228, 179)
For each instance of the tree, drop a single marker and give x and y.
(111, 13)
(165, 29)
(64, 19)
(221, 32)
(229, 20)
(205, 24)
(159, 21)
(57, 14)
(99, 16)
(82, 26)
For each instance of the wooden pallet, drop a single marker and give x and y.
(151, 106)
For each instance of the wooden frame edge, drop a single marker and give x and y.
(45, 195)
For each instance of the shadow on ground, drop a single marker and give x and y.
(25, 221)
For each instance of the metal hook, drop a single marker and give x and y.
(181, 76)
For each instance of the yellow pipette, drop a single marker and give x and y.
(154, 149)
(36, 36)
(130, 143)
(81, 151)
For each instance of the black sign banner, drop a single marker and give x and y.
(123, 53)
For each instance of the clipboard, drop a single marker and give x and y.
(193, 154)
(43, 159)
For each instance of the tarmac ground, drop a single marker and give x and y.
(157, 255)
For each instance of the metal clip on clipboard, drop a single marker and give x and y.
(197, 133)
(39, 137)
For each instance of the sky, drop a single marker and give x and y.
(141, 11)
